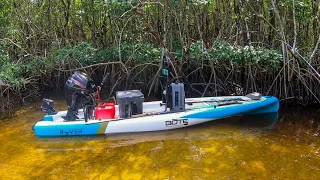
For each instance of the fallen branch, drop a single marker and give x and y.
(90, 66)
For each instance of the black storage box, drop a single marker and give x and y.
(130, 103)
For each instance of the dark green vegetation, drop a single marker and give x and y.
(222, 47)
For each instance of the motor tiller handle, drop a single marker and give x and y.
(104, 80)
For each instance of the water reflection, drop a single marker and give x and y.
(264, 121)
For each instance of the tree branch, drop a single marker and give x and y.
(137, 10)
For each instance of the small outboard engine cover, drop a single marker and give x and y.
(79, 82)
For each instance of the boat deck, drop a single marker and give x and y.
(155, 107)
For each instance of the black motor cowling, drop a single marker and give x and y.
(81, 83)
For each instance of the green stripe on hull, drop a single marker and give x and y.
(102, 128)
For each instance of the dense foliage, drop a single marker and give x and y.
(84, 54)
(219, 45)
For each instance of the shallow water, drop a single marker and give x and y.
(287, 147)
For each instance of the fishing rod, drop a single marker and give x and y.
(166, 94)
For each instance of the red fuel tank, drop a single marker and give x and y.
(105, 111)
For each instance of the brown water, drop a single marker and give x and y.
(233, 148)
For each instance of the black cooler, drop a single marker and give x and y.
(130, 103)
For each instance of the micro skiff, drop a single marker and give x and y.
(156, 118)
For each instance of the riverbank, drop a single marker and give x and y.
(224, 69)
(218, 47)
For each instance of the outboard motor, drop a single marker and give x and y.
(80, 91)
(79, 82)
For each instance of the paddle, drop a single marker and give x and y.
(249, 97)
(222, 102)
(133, 116)
(136, 116)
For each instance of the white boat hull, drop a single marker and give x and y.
(206, 109)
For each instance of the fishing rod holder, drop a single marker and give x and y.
(173, 96)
